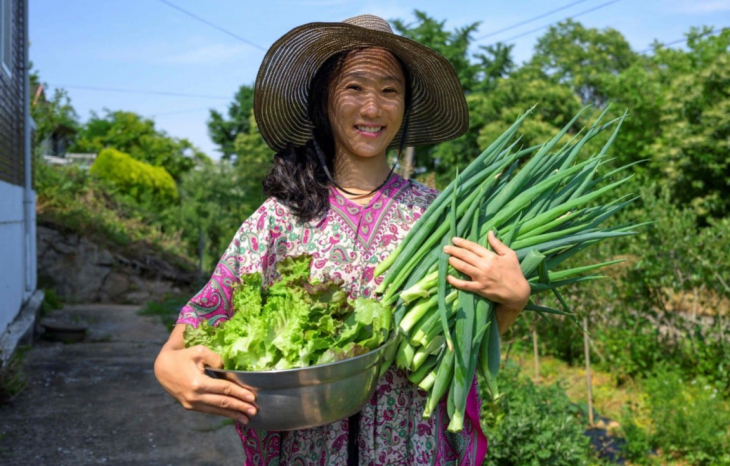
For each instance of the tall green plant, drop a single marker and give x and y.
(688, 419)
(534, 425)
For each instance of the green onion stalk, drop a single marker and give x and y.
(541, 202)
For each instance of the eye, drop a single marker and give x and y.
(390, 90)
(354, 87)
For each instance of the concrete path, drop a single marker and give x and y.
(98, 402)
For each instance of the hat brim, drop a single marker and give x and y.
(438, 108)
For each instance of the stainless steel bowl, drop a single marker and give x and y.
(296, 399)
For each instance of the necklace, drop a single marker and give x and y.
(318, 150)
(332, 179)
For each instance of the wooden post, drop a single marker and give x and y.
(586, 346)
(537, 356)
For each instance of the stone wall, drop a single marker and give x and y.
(81, 271)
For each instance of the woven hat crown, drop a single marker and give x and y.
(373, 22)
(438, 108)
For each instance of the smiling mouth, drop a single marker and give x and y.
(369, 129)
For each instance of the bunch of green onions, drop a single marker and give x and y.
(541, 210)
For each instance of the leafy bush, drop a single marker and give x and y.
(138, 137)
(215, 200)
(533, 425)
(70, 198)
(688, 420)
(637, 446)
(137, 179)
(641, 314)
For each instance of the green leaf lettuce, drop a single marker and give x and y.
(293, 323)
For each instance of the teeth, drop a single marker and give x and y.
(369, 129)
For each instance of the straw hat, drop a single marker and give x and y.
(438, 107)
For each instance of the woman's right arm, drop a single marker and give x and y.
(181, 372)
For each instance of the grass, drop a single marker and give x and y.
(215, 427)
(166, 310)
(12, 379)
(51, 302)
(608, 397)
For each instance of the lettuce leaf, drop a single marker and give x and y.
(294, 323)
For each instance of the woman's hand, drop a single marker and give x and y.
(182, 373)
(494, 275)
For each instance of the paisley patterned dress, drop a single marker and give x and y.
(346, 244)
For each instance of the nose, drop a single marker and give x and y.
(371, 106)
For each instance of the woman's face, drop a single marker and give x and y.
(366, 103)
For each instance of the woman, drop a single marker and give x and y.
(331, 98)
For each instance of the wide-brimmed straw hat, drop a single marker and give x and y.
(438, 108)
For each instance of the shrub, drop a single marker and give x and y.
(687, 419)
(137, 179)
(533, 425)
(640, 315)
(72, 200)
(637, 446)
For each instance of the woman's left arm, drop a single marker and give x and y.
(495, 275)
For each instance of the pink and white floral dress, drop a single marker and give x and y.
(347, 244)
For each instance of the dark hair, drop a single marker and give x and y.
(297, 178)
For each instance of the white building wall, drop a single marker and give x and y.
(13, 246)
(31, 252)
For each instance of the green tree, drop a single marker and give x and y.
(495, 62)
(691, 151)
(214, 200)
(583, 57)
(137, 136)
(223, 131)
(49, 114)
(253, 161)
(491, 113)
(218, 196)
(452, 45)
(477, 74)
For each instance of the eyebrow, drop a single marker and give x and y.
(356, 74)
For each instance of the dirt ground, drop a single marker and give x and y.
(98, 402)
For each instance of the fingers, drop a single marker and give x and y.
(498, 246)
(207, 357)
(464, 255)
(215, 401)
(463, 284)
(224, 387)
(464, 267)
(237, 416)
(475, 248)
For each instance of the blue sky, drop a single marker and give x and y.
(147, 45)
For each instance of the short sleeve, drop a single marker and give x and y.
(247, 253)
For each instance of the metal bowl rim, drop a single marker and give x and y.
(391, 338)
